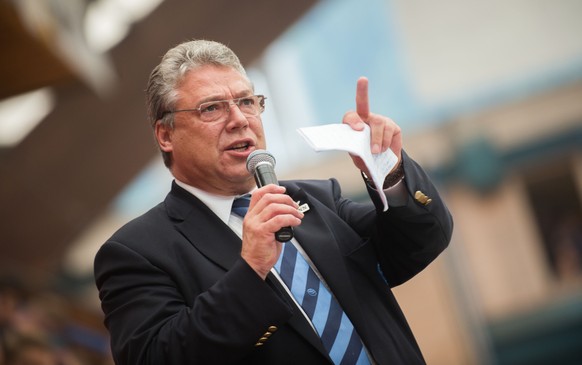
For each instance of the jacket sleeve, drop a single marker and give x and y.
(406, 238)
(150, 321)
(410, 237)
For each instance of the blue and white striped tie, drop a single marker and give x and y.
(334, 327)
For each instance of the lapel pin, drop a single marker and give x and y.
(302, 207)
(420, 197)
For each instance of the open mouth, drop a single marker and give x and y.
(240, 147)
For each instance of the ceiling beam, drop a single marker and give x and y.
(27, 63)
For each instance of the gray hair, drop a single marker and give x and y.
(161, 94)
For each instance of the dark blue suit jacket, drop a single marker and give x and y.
(175, 290)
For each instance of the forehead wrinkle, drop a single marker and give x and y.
(214, 88)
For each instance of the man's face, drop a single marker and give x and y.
(212, 156)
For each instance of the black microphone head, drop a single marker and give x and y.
(257, 157)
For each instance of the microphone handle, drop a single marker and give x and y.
(284, 234)
(264, 175)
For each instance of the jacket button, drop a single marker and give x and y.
(261, 341)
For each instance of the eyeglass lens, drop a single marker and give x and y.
(216, 110)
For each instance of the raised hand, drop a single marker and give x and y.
(384, 132)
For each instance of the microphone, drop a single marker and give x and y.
(261, 164)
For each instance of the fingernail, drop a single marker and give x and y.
(375, 148)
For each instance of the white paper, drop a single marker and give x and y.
(342, 137)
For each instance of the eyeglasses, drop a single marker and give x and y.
(216, 111)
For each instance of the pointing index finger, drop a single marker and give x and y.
(362, 103)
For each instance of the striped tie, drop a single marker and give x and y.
(331, 323)
(240, 206)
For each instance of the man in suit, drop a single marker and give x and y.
(192, 282)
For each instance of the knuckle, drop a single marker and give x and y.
(375, 122)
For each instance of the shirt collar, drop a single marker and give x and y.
(220, 205)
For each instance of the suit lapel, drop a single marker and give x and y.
(216, 241)
(205, 231)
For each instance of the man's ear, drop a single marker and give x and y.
(164, 134)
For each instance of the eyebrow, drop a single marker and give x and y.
(237, 95)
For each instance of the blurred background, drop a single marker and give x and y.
(488, 95)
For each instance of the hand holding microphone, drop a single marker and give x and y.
(261, 164)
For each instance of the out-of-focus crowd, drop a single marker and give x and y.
(41, 327)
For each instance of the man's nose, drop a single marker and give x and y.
(235, 116)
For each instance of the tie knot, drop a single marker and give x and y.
(240, 206)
